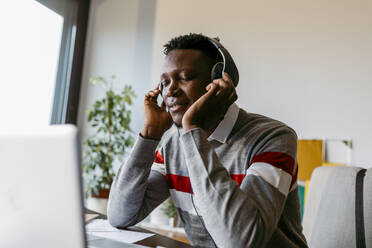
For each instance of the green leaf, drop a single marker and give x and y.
(111, 117)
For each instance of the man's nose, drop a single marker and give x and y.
(172, 88)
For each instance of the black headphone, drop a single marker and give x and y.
(228, 64)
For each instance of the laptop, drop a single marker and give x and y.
(41, 190)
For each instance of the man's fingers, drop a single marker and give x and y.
(225, 84)
(208, 87)
(156, 91)
(225, 89)
(213, 89)
(226, 77)
(152, 95)
(211, 92)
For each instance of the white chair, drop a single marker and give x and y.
(329, 215)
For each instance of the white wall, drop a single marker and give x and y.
(119, 42)
(306, 63)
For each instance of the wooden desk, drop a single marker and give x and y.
(153, 241)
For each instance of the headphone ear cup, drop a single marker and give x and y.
(217, 70)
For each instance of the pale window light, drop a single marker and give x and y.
(29, 48)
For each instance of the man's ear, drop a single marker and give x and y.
(217, 71)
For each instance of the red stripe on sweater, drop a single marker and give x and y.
(159, 159)
(181, 183)
(294, 177)
(277, 159)
(238, 178)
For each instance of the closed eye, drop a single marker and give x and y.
(186, 77)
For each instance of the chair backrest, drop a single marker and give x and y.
(329, 217)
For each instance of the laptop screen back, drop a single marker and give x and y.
(40, 188)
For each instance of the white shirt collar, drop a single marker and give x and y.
(221, 133)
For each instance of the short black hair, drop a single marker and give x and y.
(194, 41)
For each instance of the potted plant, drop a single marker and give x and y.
(171, 212)
(110, 119)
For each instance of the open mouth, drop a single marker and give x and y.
(177, 107)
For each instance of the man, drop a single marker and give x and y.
(231, 174)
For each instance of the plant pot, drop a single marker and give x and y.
(98, 202)
(103, 194)
(175, 221)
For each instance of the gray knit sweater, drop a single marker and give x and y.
(238, 191)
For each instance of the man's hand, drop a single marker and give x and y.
(157, 119)
(211, 107)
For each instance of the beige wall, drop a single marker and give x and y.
(307, 63)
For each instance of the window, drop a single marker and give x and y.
(38, 59)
